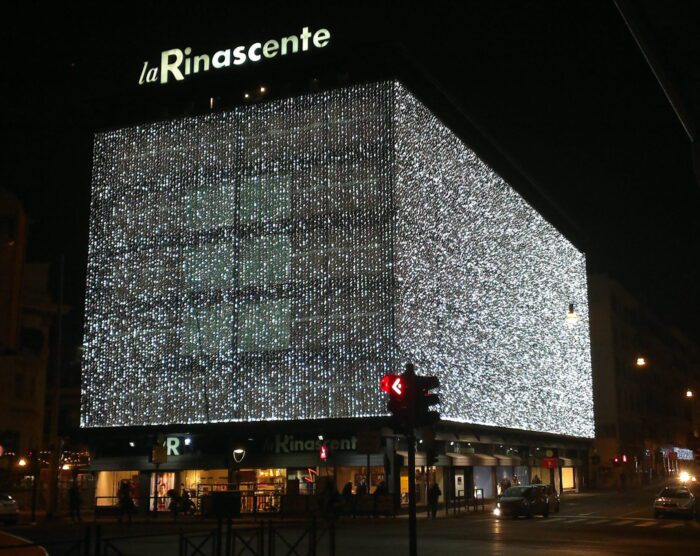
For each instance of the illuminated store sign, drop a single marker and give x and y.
(178, 64)
(286, 444)
(683, 453)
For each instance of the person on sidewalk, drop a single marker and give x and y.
(434, 494)
(126, 504)
(74, 502)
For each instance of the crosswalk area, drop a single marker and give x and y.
(599, 520)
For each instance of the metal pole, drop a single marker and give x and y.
(155, 493)
(35, 479)
(369, 476)
(412, 541)
(54, 440)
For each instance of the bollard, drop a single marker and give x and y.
(312, 537)
(217, 540)
(331, 535)
(270, 537)
(229, 537)
(98, 540)
(86, 541)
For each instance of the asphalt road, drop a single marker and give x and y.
(588, 524)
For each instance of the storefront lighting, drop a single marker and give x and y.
(246, 96)
(65, 467)
(320, 437)
(22, 462)
(188, 441)
(688, 393)
(641, 362)
(132, 444)
(238, 455)
(263, 89)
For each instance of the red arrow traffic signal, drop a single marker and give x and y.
(394, 385)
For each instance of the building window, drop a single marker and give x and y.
(264, 261)
(265, 198)
(211, 267)
(208, 331)
(212, 207)
(264, 325)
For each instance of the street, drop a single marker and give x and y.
(589, 523)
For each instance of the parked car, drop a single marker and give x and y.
(674, 500)
(9, 512)
(528, 501)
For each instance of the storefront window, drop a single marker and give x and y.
(483, 479)
(108, 483)
(567, 477)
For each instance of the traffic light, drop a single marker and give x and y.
(431, 457)
(428, 444)
(624, 458)
(394, 385)
(616, 461)
(425, 399)
(410, 397)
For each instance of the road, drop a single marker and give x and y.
(588, 524)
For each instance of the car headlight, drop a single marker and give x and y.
(498, 504)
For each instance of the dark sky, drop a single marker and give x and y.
(560, 88)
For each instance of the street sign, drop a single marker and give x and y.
(550, 463)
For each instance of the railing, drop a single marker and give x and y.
(371, 504)
(74, 547)
(267, 539)
(476, 501)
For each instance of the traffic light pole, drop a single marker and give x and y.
(412, 540)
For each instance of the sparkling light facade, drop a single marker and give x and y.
(274, 261)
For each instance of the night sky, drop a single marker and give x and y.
(558, 88)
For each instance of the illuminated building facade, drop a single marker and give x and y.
(272, 262)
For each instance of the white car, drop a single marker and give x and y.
(8, 508)
(674, 500)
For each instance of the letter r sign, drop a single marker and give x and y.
(172, 446)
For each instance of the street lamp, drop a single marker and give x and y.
(689, 393)
(641, 361)
(22, 462)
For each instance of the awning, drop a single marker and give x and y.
(467, 460)
(567, 462)
(507, 460)
(420, 458)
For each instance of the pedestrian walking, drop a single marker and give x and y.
(74, 501)
(126, 504)
(434, 494)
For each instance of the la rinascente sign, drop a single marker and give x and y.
(179, 64)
